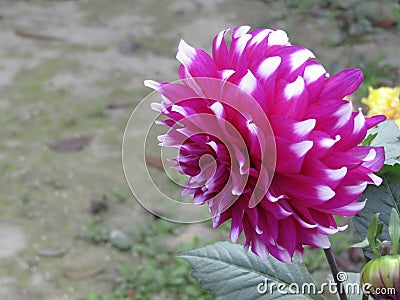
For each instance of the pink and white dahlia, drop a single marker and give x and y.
(268, 140)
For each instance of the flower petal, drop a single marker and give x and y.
(342, 84)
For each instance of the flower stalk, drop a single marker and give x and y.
(334, 270)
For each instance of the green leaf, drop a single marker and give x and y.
(379, 229)
(363, 244)
(121, 243)
(394, 231)
(231, 273)
(380, 199)
(93, 296)
(390, 169)
(368, 140)
(374, 231)
(388, 136)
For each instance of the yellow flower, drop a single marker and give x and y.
(384, 100)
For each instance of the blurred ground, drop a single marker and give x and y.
(73, 69)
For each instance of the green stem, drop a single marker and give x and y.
(376, 252)
(334, 270)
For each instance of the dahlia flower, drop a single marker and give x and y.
(268, 140)
(382, 275)
(384, 100)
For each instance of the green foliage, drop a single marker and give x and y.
(374, 230)
(231, 273)
(382, 276)
(376, 73)
(119, 195)
(98, 110)
(363, 244)
(396, 15)
(380, 199)
(161, 276)
(315, 259)
(384, 200)
(126, 239)
(368, 140)
(394, 232)
(158, 273)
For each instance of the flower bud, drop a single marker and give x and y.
(380, 277)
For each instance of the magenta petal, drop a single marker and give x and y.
(291, 155)
(240, 31)
(316, 239)
(323, 143)
(349, 209)
(306, 190)
(226, 215)
(237, 59)
(338, 160)
(373, 157)
(257, 45)
(353, 132)
(375, 120)
(270, 227)
(259, 248)
(315, 168)
(252, 86)
(196, 61)
(299, 130)
(237, 224)
(295, 58)
(314, 77)
(293, 98)
(220, 50)
(331, 115)
(342, 84)
(280, 253)
(173, 92)
(346, 194)
(288, 235)
(304, 218)
(268, 140)
(276, 208)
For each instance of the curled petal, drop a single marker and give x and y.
(334, 87)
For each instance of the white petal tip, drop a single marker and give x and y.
(151, 84)
(156, 106)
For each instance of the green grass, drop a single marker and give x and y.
(157, 273)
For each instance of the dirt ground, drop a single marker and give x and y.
(76, 68)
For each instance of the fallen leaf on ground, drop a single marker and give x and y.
(57, 252)
(71, 144)
(154, 162)
(118, 105)
(131, 295)
(98, 206)
(386, 23)
(128, 47)
(35, 36)
(83, 273)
